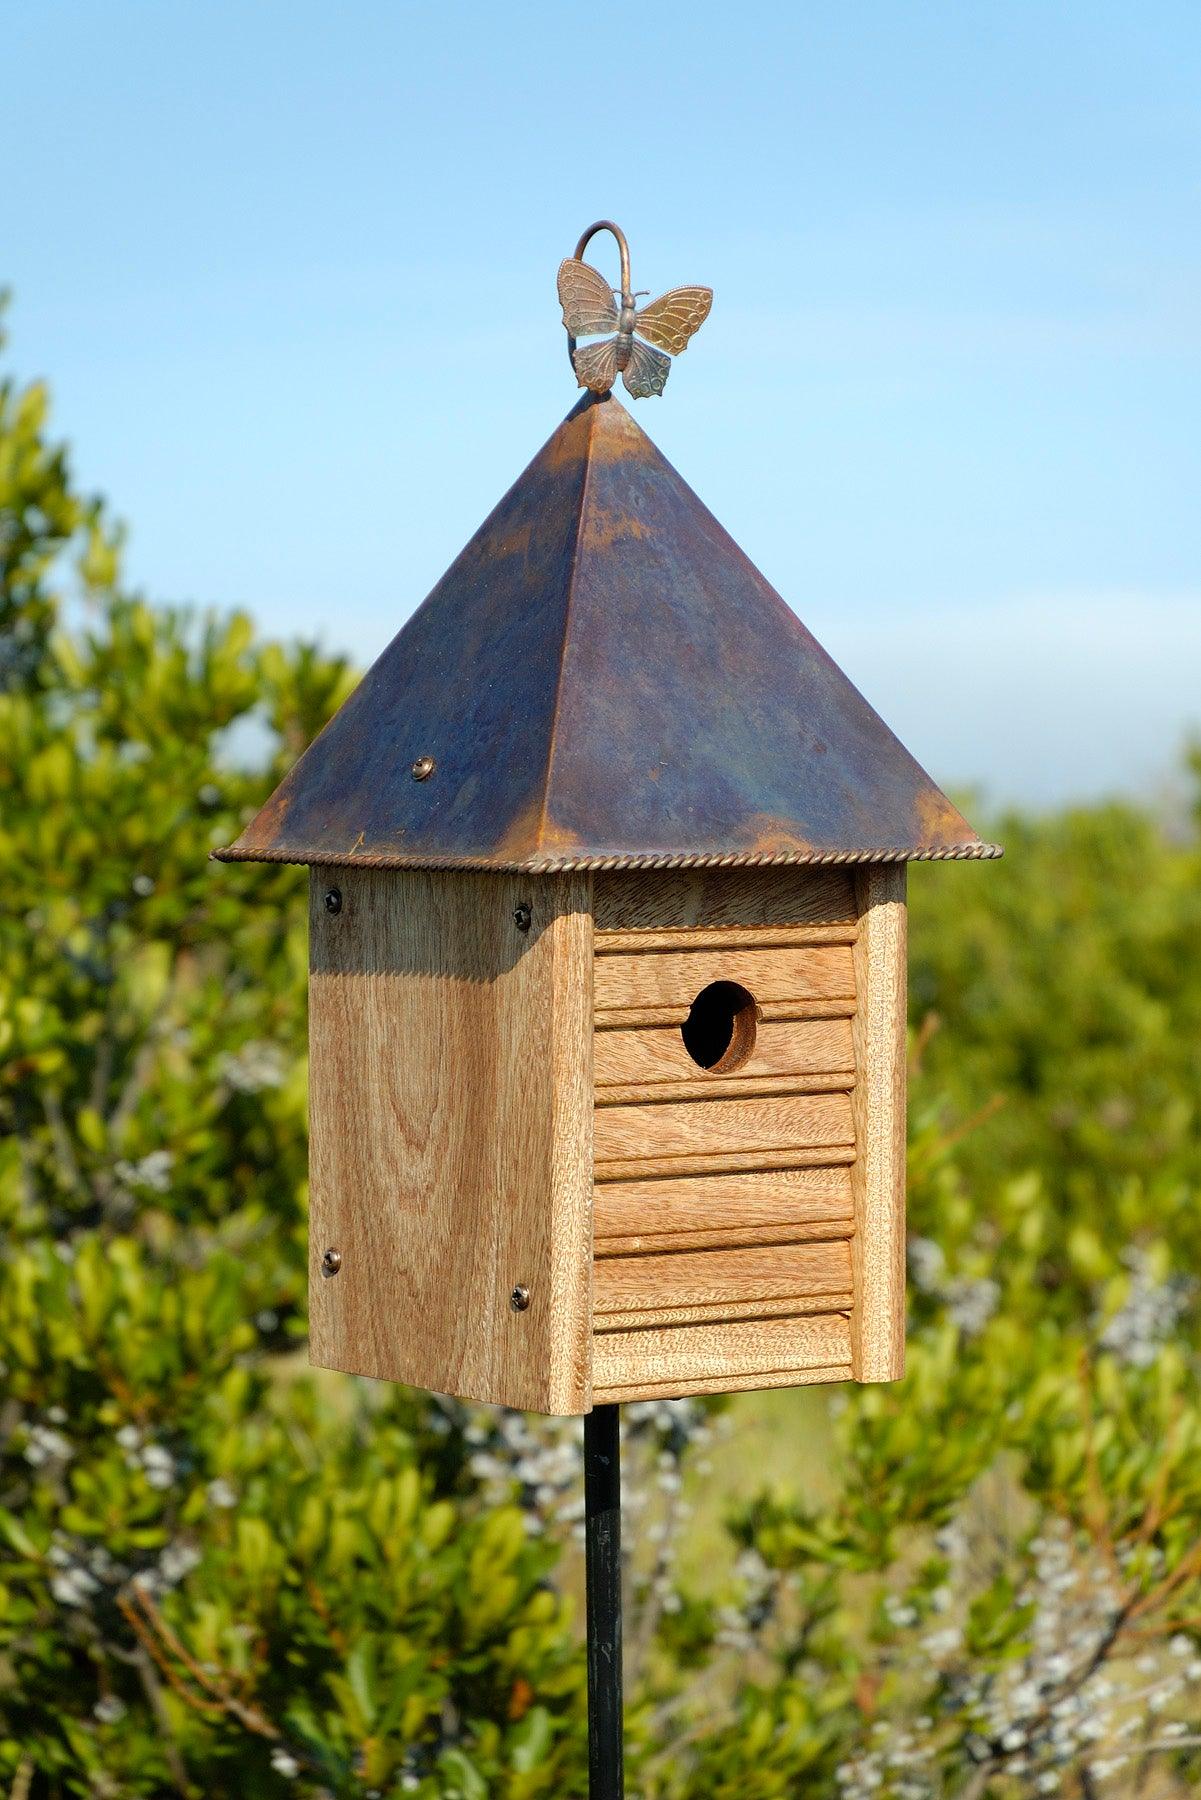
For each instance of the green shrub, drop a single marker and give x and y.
(221, 1574)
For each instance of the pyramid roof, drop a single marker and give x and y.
(604, 680)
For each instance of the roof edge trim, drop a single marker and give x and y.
(976, 851)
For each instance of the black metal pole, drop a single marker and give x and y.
(602, 1510)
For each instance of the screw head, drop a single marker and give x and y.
(519, 1299)
(331, 1262)
(523, 916)
(333, 900)
(423, 768)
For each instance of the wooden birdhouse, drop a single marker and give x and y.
(607, 994)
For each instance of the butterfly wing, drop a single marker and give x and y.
(596, 365)
(586, 298)
(671, 320)
(646, 372)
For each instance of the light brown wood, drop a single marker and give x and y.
(713, 1352)
(720, 1384)
(800, 1047)
(659, 899)
(733, 1208)
(626, 1168)
(878, 1175)
(730, 1087)
(740, 937)
(711, 1127)
(676, 977)
(736, 1237)
(622, 1018)
(451, 1118)
(733, 1278)
(725, 1312)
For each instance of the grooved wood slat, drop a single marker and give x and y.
(621, 1018)
(713, 1352)
(676, 977)
(734, 1238)
(790, 1306)
(678, 1128)
(737, 937)
(660, 899)
(717, 1087)
(784, 1199)
(799, 1047)
(720, 1384)
(735, 1278)
(451, 1118)
(627, 1168)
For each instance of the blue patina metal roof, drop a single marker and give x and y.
(603, 680)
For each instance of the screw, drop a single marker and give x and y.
(423, 768)
(333, 900)
(519, 1299)
(331, 1262)
(523, 916)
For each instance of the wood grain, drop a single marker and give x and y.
(710, 1127)
(714, 1352)
(728, 937)
(659, 899)
(717, 1087)
(732, 1207)
(720, 1384)
(676, 977)
(627, 1168)
(657, 1053)
(725, 1312)
(451, 1116)
(878, 1175)
(733, 1278)
(622, 1018)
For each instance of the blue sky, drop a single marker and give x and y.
(290, 269)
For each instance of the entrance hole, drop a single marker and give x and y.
(719, 1032)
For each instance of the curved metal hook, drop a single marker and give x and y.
(624, 252)
(623, 247)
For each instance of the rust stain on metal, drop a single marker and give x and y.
(604, 680)
(601, 530)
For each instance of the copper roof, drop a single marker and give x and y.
(603, 680)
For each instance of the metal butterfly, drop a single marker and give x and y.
(589, 306)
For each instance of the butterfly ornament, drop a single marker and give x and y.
(591, 306)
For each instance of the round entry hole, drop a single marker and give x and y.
(719, 1032)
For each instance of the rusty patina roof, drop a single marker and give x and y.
(603, 680)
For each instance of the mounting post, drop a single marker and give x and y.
(602, 1512)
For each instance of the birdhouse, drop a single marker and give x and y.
(607, 978)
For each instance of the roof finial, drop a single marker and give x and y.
(589, 307)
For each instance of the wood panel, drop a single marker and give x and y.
(703, 1353)
(657, 1053)
(729, 1208)
(735, 1279)
(676, 977)
(451, 1115)
(701, 1127)
(658, 899)
(878, 1176)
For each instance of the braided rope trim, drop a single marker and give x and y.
(565, 865)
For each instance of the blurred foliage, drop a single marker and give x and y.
(221, 1574)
